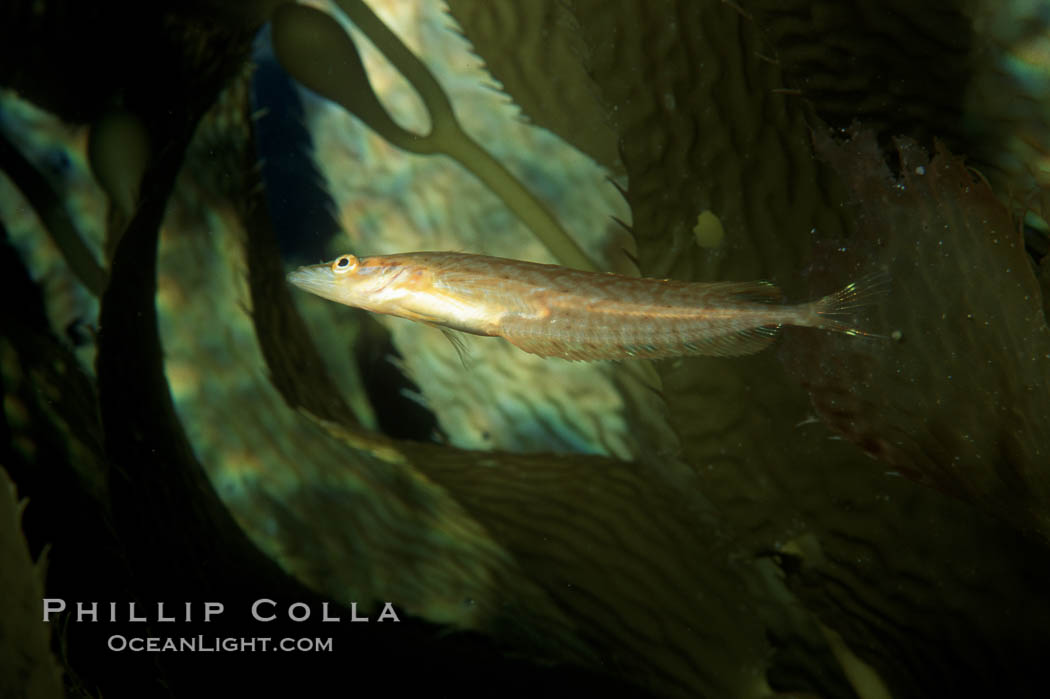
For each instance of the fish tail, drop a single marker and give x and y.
(838, 311)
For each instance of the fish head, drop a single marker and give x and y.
(365, 282)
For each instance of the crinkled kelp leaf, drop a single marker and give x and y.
(27, 667)
(961, 401)
(703, 128)
(541, 69)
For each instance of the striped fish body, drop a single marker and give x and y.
(554, 311)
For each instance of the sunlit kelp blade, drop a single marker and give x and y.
(957, 400)
(59, 154)
(531, 49)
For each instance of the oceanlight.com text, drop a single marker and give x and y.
(217, 644)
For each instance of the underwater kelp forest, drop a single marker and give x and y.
(201, 462)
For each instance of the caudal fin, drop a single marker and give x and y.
(838, 311)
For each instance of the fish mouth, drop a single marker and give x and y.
(317, 279)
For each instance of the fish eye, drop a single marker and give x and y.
(344, 264)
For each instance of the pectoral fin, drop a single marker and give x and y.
(457, 342)
(460, 344)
